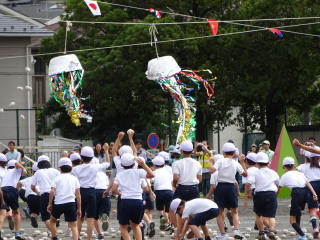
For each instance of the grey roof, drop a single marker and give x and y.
(12, 26)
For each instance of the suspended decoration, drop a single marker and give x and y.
(66, 74)
(166, 72)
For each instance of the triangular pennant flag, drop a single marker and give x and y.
(156, 13)
(276, 31)
(214, 25)
(94, 7)
(283, 149)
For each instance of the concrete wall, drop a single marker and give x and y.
(13, 74)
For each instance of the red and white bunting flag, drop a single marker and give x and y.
(94, 7)
(214, 25)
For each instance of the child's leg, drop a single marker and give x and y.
(205, 230)
(220, 219)
(97, 226)
(74, 229)
(79, 224)
(3, 213)
(196, 231)
(48, 225)
(136, 230)
(259, 222)
(272, 223)
(149, 213)
(296, 226)
(17, 219)
(90, 226)
(124, 232)
(53, 227)
(235, 217)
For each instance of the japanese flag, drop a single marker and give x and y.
(94, 7)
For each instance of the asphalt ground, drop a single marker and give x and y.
(247, 219)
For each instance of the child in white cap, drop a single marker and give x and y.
(196, 212)
(43, 179)
(251, 163)
(87, 175)
(3, 207)
(214, 176)
(297, 182)
(226, 192)
(163, 190)
(166, 158)
(33, 199)
(266, 183)
(75, 159)
(65, 189)
(10, 192)
(131, 206)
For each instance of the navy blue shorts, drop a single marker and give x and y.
(130, 210)
(149, 203)
(88, 202)
(11, 197)
(265, 204)
(226, 195)
(316, 187)
(44, 201)
(186, 192)
(200, 219)
(103, 205)
(68, 209)
(33, 202)
(299, 198)
(163, 199)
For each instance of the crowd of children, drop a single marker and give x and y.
(80, 190)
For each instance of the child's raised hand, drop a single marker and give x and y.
(24, 173)
(242, 158)
(121, 135)
(296, 142)
(140, 161)
(130, 132)
(106, 147)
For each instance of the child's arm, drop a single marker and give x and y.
(78, 197)
(248, 191)
(115, 189)
(211, 191)
(107, 191)
(106, 151)
(307, 148)
(150, 173)
(152, 195)
(24, 171)
(279, 189)
(130, 133)
(315, 197)
(51, 196)
(116, 144)
(19, 185)
(237, 185)
(242, 158)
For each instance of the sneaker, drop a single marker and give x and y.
(34, 222)
(225, 227)
(1, 234)
(163, 220)
(68, 233)
(272, 234)
(104, 219)
(152, 231)
(19, 236)
(266, 230)
(262, 237)
(11, 223)
(255, 226)
(229, 216)
(100, 236)
(304, 237)
(316, 232)
(221, 237)
(237, 234)
(26, 212)
(168, 227)
(171, 229)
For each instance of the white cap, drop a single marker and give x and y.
(177, 149)
(186, 146)
(228, 147)
(314, 155)
(158, 160)
(87, 151)
(3, 158)
(165, 155)
(12, 163)
(262, 157)
(288, 161)
(75, 156)
(266, 142)
(217, 157)
(35, 167)
(125, 149)
(252, 156)
(175, 204)
(95, 161)
(127, 159)
(64, 162)
(237, 151)
(43, 158)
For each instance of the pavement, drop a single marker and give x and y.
(247, 219)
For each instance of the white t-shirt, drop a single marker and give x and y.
(119, 168)
(251, 171)
(312, 174)
(162, 179)
(188, 169)
(130, 183)
(43, 178)
(196, 206)
(65, 185)
(27, 184)
(214, 178)
(293, 179)
(264, 179)
(87, 173)
(227, 170)
(169, 169)
(2, 173)
(102, 181)
(11, 178)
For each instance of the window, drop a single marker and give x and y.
(38, 91)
